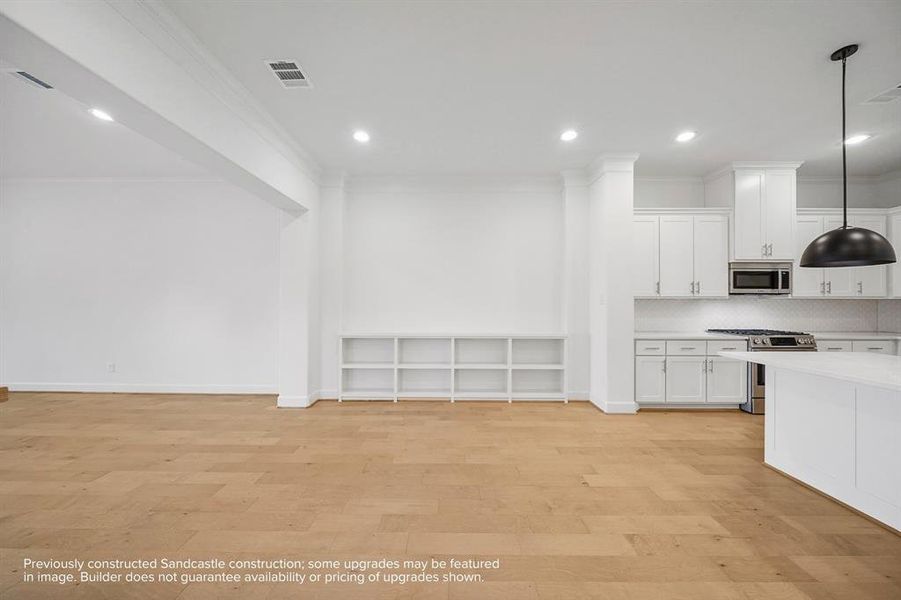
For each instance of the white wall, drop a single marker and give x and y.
(174, 282)
(468, 258)
(671, 192)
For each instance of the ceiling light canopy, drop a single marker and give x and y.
(847, 246)
(686, 136)
(361, 136)
(101, 114)
(569, 135)
(857, 138)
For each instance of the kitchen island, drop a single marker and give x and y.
(833, 422)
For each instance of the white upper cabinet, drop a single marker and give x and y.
(749, 234)
(645, 255)
(870, 282)
(763, 197)
(807, 282)
(677, 255)
(680, 254)
(840, 282)
(779, 209)
(711, 255)
(894, 270)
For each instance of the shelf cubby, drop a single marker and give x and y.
(424, 350)
(475, 351)
(542, 351)
(367, 383)
(367, 350)
(479, 381)
(545, 383)
(424, 383)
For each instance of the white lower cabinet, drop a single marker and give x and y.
(690, 373)
(685, 380)
(650, 379)
(727, 380)
(880, 346)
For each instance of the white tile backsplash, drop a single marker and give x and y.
(762, 312)
(889, 318)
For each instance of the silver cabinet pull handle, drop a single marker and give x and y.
(828, 287)
(860, 287)
(689, 347)
(763, 250)
(699, 287)
(711, 366)
(834, 348)
(729, 348)
(823, 288)
(771, 249)
(658, 288)
(692, 288)
(653, 348)
(876, 348)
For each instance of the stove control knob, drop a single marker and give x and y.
(756, 340)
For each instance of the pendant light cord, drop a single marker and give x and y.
(844, 155)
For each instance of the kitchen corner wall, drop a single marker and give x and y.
(770, 313)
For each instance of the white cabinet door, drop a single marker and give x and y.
(779, 214)
(833, 345)
(870, 281)
(676, 255)
(895, 269)
(807, 282)
(839, 282)
(711, 255)
(685, 379)
(650, 379)
(749, 238)
(727, 380)
(645, 253)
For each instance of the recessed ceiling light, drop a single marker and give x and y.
(101, 114)
(361, 136)
(569, 135)
(686, 136)
(858, 138)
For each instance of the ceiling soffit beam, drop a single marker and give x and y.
(140, 64)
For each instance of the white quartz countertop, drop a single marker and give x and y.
(855, 335)
(821, 335)
(867, 368)
(683, 335)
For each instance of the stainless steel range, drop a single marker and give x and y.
(769, 340)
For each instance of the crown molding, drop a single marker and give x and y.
(670, 179)
(454, 184)
(614, 162)
(4, 180)
(164, 29)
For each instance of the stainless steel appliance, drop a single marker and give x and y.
(769, 340)
(760, 278)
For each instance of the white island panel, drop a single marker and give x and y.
(833, 421)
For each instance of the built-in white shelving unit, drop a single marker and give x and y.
(465, 367)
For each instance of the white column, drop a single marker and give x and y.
(298, 327)
(575, 284)
(611, 312)
(331, 279)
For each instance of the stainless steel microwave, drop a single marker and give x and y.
(760, 278)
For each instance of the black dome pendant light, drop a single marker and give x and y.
(847, 246)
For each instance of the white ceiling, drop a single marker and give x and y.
(44, 133)
(487, 87)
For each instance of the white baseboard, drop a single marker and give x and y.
(616, 408)
(579, 396)
(142, 388)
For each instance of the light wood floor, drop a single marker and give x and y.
(575, 503)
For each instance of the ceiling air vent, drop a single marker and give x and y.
(31, 79)
(289, 74)
(889, 95)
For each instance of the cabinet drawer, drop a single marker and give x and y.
(834, 345)
(650, 347)
(885, 347)
(714, 348)
(686, 348)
